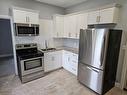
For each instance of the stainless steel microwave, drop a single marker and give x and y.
(26, 29)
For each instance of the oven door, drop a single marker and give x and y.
(32, 65)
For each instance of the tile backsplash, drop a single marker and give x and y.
(74, 43)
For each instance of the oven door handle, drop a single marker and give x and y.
(32, 58)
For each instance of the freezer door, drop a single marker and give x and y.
(91, 78)
(93, 46)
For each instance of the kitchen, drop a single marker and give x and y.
(59, 32)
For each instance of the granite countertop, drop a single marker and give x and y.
(73, 50)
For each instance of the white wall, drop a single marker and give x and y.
(95, 4)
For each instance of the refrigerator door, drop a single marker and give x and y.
(92, 47)
(91, 77)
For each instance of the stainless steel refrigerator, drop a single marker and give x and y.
(98, 58)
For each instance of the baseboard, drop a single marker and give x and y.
(117, 84)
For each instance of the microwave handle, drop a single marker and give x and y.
(16, 30)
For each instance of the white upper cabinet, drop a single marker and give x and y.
(19, 16)
(109, 15)
(33, 17)
(81, 23)
(72, 26)
(93, 17)
(26, 17)
(66, 27)
(69, 26)
(58, 25)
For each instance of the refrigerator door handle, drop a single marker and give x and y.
(97, 71)
(103, 51)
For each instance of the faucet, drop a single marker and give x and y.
(46, 44)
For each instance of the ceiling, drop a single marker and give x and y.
(62, 3)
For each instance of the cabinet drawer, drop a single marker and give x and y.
(75, 56)
(74, 71)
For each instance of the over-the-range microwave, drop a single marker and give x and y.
(26, 29)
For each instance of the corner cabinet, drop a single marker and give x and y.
(26, 17)
(52, 60)
(104, 16)
(57, 59)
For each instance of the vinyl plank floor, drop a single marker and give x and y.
(59, 82)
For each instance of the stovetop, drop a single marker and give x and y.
(29, 53)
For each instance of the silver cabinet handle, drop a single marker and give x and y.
(57, 34)
(76, 35)
(98, 18)
(26, 19)
(69, 34)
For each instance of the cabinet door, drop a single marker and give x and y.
(74, 63)
(52, 61)
(70, 62)
(66, 27)
(81, 23)
(66, 60)
(109, 15)
(19, 16)
(33, 17)
(93, 17)
(57, 59)
(73, 26)
(48, 62)
(59, 26)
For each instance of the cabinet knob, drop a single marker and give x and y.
(57, 34)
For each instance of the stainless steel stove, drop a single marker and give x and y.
(30, 62)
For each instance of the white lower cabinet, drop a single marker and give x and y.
(58, 59)
(52, 60)
(70, 62)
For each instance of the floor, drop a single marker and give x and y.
(59, 82)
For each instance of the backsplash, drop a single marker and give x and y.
(38, 39)
(67, 42)
(74, 43)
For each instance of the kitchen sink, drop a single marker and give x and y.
(48, 49)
